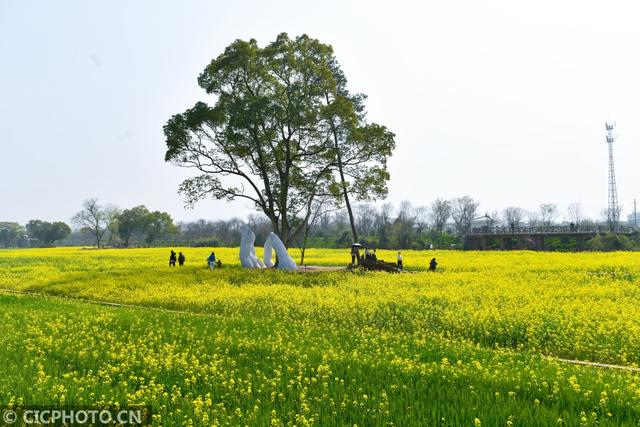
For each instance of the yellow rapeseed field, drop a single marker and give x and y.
(475, 343)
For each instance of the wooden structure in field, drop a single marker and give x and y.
(371, 263)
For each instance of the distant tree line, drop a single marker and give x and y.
(440, 224)
(95, 225)
(115, 227)
(13, 234)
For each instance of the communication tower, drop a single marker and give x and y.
(613, 211)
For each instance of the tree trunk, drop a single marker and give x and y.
(352, 222)
(284, 232)
(343, 181)
(343, 184)
(303, 249)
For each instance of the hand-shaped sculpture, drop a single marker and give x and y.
(285, 262)
(248, 256)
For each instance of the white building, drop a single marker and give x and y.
(633, 219)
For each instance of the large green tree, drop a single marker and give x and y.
(282, 127)
(11, 233)
(360, 149)
(131, 222)
(48, 232)
(158, 225)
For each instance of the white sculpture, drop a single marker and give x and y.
(268, 251)
(248, 257)
(285, 262)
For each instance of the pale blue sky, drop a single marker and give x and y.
(501, 100)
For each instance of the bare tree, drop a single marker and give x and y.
(383, 221)
(440, 214)
(612, 223)
(319, 208)
(403, 224)
(548, 213)
(325, 221)
(533, 218)
(92, 219)
(340, 219)
(384, 214)
(494, 217)
(604, 216)
(618, 214)
(513, 216)
(260, 225)
(574, 210)
(365, 218)
(463, 212)
(405, 211)
(421, 218)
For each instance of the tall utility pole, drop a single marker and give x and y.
(613, 211)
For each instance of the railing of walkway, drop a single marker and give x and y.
(552, 229)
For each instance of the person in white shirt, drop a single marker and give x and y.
(399, 261)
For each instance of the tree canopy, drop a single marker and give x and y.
(283, 126)
(11, 233)
(158, 225)
(48, 232)
(131, 222)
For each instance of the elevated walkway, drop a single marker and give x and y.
(480, 238)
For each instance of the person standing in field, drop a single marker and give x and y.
(433, 264)
(181, 259)
(172, 259)
(354, 254)
(399, 261)
(212, 261)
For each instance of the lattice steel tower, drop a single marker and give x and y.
(613, 211)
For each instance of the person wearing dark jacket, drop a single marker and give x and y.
(433, 264)
(172, 259)
(181, 259)
(354, 254)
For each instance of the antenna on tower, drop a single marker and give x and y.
(613, 211)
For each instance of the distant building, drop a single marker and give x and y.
(633, 219)
(484, 223)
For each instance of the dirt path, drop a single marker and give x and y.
(305, 268)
